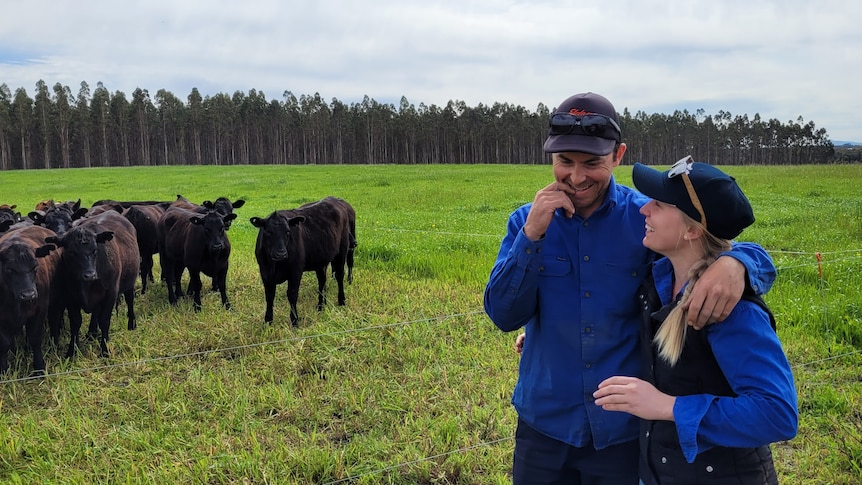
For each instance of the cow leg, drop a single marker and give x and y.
(220, 282)
(93, 330)
(195, 288)
(338, 272)
(178, 276)
(321, 288)
(170, 281)
(34, 338)
(146, 271)
(5, 346)
(130, 306)
(292, 297)
(55, 320)
(74, 330)
(269, 294)
(104, 319)
(350, 266)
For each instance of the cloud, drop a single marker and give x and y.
(779, 59)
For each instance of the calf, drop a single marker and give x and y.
(310, 238)
(27, 266)
(99, 263)
(197, 241)
(145, 218)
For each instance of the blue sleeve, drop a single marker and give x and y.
(765, 407)
(758, 265)
(511, 295)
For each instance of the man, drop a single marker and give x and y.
(567, 272)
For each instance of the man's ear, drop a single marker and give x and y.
(618, 154)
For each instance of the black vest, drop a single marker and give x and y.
(696, 372)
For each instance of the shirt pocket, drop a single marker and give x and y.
(555, 266)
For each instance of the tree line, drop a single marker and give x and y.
(59, 129)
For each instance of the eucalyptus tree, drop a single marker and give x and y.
(43, 122)
(143, 111)
(82, 127)
(196, 125)
(118, 131)
(22, 116)
(63, 121)
(172, 121)
(101, 116)
(5, 127)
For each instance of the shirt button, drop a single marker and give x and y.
(647, 434)
(587, 294)
(588, 365)
(586, 223)
(663, 460)
(541, 268)
(529, 251)
(635, 274)
(538, 250)
(586, 258)
(709, 468)
(587, 330)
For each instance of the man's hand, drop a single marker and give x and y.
(519, 343)
(634, 396)
(547, 200)
(716, 293)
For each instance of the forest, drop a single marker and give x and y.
(98, 128)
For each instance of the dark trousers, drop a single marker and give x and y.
(540, 460)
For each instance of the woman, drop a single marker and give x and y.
(711, 400)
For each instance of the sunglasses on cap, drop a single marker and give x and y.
(682, 168)
(592, 124)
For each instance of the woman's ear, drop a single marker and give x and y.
(693, 232)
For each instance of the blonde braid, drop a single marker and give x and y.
(670, 337)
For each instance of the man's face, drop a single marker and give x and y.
(588, 176)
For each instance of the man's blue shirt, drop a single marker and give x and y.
(574, 293)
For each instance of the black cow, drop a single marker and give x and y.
(197, 241)
(58, 217)
(145, 218)
(27, 266)
(99, 263)
(309, 238)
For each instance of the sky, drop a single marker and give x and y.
(781, 59)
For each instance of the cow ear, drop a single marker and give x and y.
(257, 222)
(239, 203)
(104, 236)
(79, 213)
(196, 220)
(295, 220)
(208, 204)
(37, 217)
(229, 217)
(45, 250)
(54, 240)
(4, 226)
(76, 205)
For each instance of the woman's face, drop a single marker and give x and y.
(665, 227)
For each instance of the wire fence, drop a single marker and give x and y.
(816, 262)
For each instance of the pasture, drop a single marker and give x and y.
(409, 383)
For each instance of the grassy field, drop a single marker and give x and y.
(409, 383)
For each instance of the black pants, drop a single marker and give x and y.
(540, 460)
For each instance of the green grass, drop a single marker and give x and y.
(409, 383)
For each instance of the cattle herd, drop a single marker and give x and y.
(62, 260)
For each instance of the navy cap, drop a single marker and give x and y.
(581, 105)
(726, 208)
